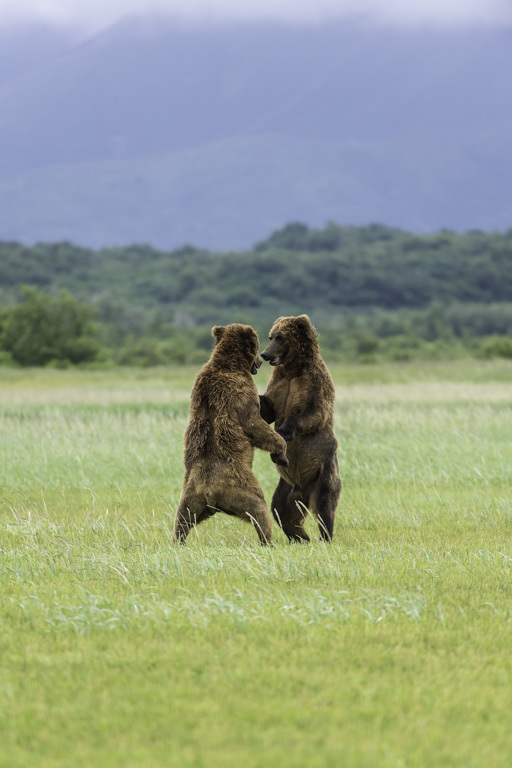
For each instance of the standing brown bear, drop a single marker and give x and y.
(224, 428)
(300, 399)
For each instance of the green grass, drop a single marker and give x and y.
(390, 647)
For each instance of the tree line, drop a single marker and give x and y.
(371, 291)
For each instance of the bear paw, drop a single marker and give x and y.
(278, 458)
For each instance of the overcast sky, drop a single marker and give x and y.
(93, 15)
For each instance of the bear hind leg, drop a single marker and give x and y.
(251, 507)
(190, 513)
(262, 522)
(325, 498)
(289, 510)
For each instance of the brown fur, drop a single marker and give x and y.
(300, 399)
(224, 428)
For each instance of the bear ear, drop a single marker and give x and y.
(250, 332)
(218, 331)
(306, 326)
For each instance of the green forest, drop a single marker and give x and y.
(373, 293)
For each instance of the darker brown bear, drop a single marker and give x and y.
(224, 428)
(300, 399)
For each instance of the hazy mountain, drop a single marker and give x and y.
(26, 48)
(217, 135)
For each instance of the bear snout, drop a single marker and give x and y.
(256, 364)
(275, 352)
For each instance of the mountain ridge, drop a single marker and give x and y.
(172, 134)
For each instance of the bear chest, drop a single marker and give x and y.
(286, 397)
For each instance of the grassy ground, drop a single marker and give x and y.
(390, 647)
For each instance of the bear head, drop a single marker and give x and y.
(292, 343)
(236, 347)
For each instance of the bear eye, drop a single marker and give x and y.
(279, 336)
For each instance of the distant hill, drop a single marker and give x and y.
(216, 135)
(334, 269)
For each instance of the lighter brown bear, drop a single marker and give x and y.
(224, 428)
(300, 400)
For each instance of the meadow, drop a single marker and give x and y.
(391, 647)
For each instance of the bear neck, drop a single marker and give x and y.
(302, 355)
(293, 368)
(236, 364)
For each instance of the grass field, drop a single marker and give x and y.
(392, 647)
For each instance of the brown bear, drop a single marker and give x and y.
(300, 400)
(224, 428)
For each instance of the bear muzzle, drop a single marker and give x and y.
(256, 364)
(271, 359)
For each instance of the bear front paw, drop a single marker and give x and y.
(278, 458)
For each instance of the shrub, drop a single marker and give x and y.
(367, 345)
(497, 346)
(41, 329)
